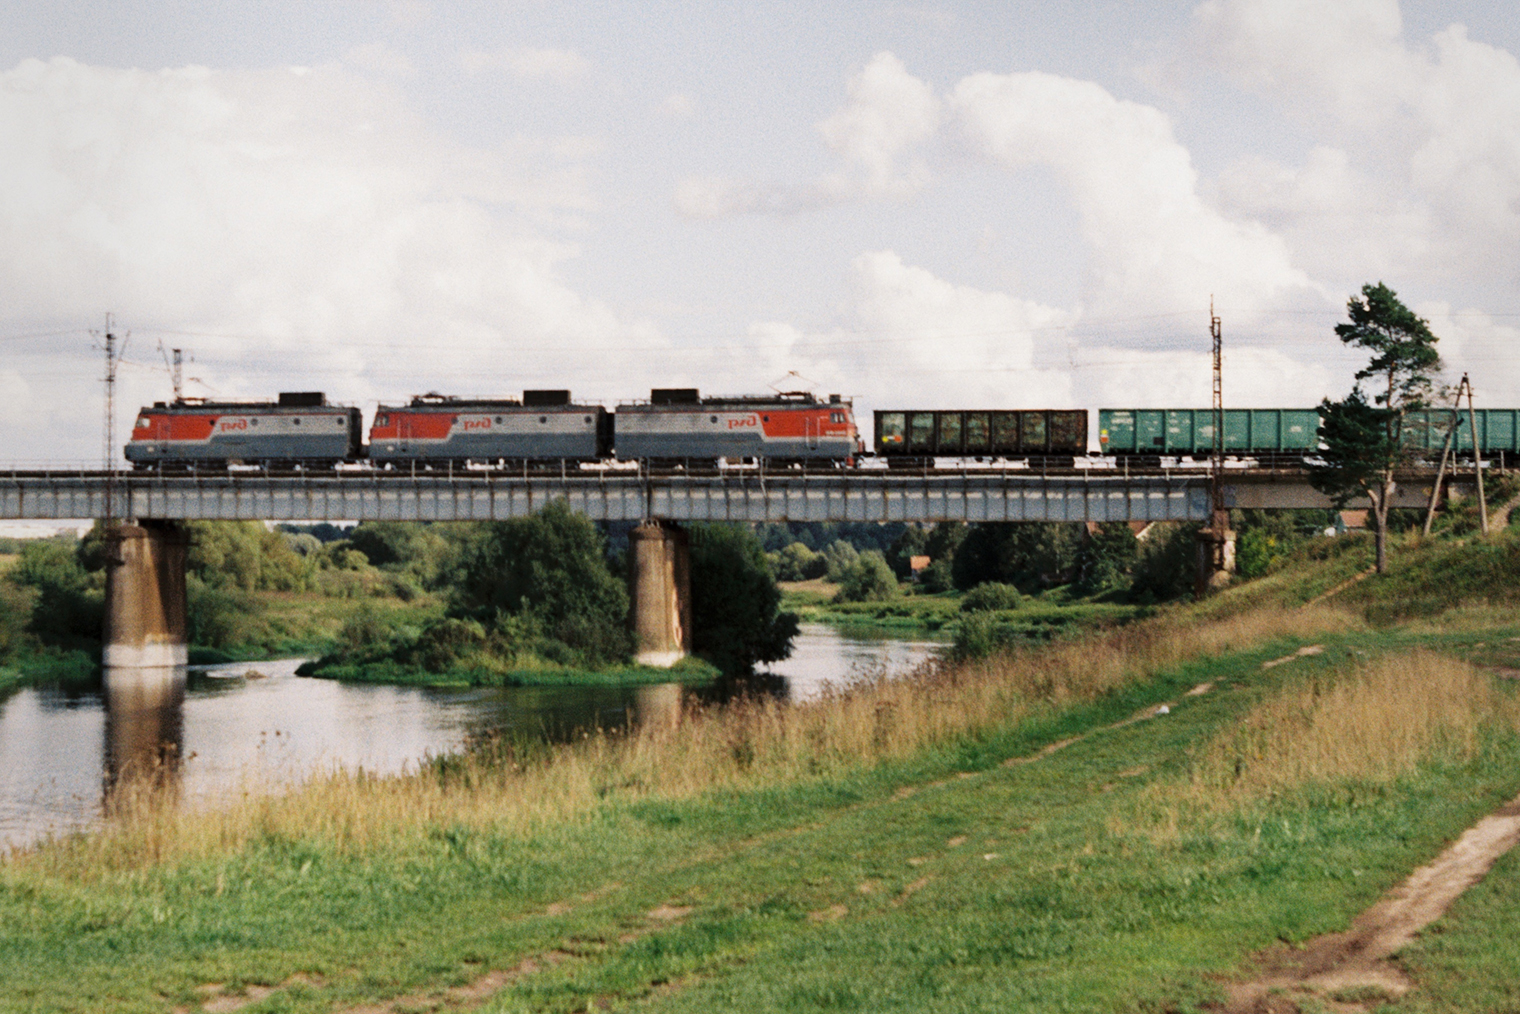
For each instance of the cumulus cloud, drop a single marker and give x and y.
(1434, 129)
(888, 114)
(910, 338)
(527, 63)
(307, 227)
(1154, 241)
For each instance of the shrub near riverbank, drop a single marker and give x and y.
(534, 601)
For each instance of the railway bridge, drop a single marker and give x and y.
(145, 596)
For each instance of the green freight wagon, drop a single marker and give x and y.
(907, 436)
(1258, 432)
(1498, 431)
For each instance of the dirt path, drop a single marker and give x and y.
(1350, 971)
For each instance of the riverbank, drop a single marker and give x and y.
(1037, 618)
(689, 671)
(1122, 822)
(1069, 857)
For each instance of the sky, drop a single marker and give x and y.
(916, 205)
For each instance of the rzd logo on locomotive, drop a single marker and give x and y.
(743, 422)
(228, 425)
(482, 423)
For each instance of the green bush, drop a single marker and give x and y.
(796, 562)
(444, 643)
(979, 634)
(69, 604)
(218, 616)
(1167, 564)
(868, 579)
(552, 566)
(938, 577)
(735, 604)
(991, 597)
(838, 558)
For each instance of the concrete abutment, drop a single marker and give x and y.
(659, 590)
(145, 616)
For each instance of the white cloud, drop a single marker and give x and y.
(1434, 129)
(888, 113)
(527, 63)
(677, 106)
(911, 338)
(1155, 242)
(327, 233)
(887, 116)
(1332, 216)
(1475, 343)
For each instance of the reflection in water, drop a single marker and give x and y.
(144, 732)
(198, 734)
(657, 707)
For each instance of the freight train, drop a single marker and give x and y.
(678, 427)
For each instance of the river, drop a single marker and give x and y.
(257, 721)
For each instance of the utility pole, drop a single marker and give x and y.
(108, 451)
(1213, 550)
(1472, 422)
(1451, 432)
(179, 376)
(1221, 517)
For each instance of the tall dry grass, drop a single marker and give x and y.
(749, 745)
(1373, 724)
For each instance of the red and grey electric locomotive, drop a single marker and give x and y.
(298, 430)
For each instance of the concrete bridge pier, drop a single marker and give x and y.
(145, 623)
(659, 586)
(1216, 559)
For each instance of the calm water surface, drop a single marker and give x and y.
(61, 747)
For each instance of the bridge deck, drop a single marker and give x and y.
(863, 495)
(841, 496)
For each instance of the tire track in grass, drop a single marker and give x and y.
(1351, 970)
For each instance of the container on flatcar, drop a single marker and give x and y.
(1190, 431)
(1498, 431)
(906, 433)
(298, 428)
(678, 423)
(544, 425)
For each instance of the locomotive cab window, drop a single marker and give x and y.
(384, 420)
(142, 422)
(836, 417)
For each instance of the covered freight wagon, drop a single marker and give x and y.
(903, 434)
(544, 425)
(1256, 432)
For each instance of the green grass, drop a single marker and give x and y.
(944, 882)
(871, 891)
(32, 668)
(691, 671)
(1041, 618)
